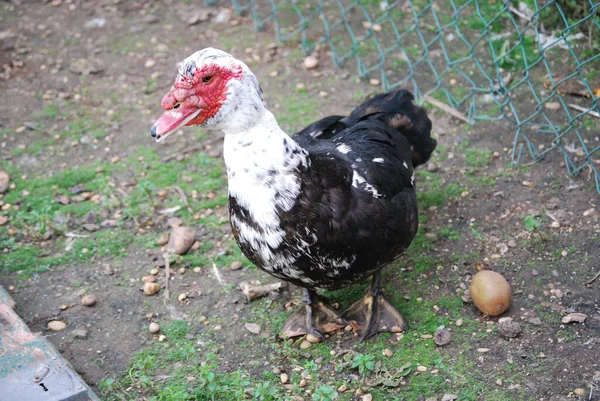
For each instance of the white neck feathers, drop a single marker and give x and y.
(263, 164)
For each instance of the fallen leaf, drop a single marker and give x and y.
(91, 227)
(63, 199)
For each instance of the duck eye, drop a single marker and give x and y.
(207, 79)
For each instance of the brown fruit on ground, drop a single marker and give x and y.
(490, 292)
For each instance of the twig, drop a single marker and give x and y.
(217, 274)
(183, 197)
(170, 210)
(183, 152)
(593, 278)
(74, 235)
(167, 274)
(519, 13)
(447, 109)
(589, 111)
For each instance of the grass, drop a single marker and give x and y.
(383, 377)
(478, 157)
(298, 113)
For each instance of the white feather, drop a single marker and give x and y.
(343, 148)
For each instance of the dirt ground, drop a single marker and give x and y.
(535, 225)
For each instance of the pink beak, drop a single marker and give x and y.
(172, 120)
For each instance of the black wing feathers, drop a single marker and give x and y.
(395, 109)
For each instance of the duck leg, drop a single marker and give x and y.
(315, 317)
(373, 314)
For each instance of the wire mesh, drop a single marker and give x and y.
(534, 63)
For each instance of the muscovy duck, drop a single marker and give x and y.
(325, 208)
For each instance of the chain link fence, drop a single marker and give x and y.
(535, 63)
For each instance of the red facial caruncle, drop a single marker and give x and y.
(194, 98)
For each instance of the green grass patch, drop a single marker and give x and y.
(299, 113)
(478, 157)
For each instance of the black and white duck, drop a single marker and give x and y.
(324, 208)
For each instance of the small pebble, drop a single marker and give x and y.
(56, 325)
(236, 266)
(367, 397)
(284, 378)
(387, 352)
(153, 327)
(80, 333)
(422, 368)
(88, 300)
(311, 62)
(579, 391)
(312, 338)
(151, 288)
(459, 322)
(374, 82)
(305, 344)
(182, 297)
(574, 317)
(162, 338)
(509, 328)
(253, 328)
(342, 388)
(442, 336)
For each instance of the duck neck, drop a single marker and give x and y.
(263, 165)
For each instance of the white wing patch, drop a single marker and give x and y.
(378, 160)
(343, 148)
(358, 179)
(405, 165)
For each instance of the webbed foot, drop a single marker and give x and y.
(315, 318)
(373, 314)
